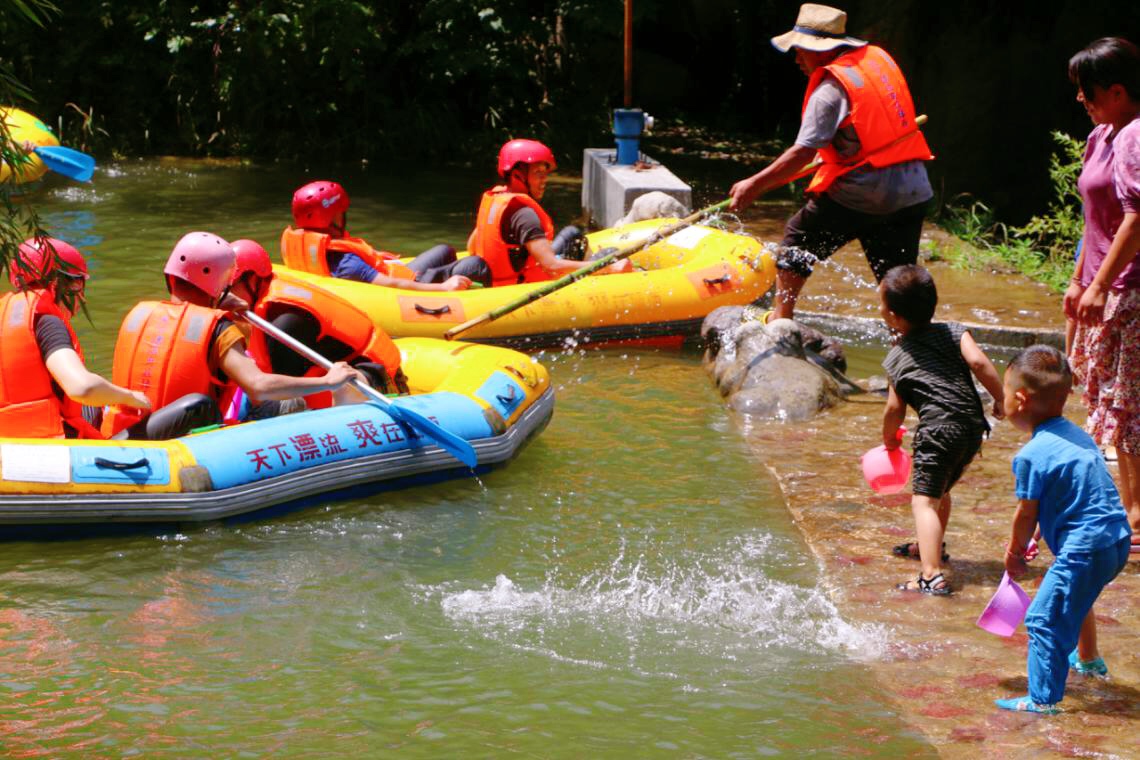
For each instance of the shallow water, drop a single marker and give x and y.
(631, 585)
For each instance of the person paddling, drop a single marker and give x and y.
(319, 242)
(186, 352)
(513, 234)
(44, 383)
(871, 185)
(318, 318)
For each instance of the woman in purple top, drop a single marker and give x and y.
(1104, 296)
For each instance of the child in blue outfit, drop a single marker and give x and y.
(1064, 487)
(932, 370)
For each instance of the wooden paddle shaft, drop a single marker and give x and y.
(310, 354)
(600, 263)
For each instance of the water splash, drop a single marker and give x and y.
(723, 604)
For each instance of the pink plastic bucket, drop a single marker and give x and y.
(886, 471)
(1006, 610)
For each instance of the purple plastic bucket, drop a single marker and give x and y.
(1006, 610)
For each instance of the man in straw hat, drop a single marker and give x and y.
(871, 185)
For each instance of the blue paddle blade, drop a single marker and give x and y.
(449, 441)
(68, 162)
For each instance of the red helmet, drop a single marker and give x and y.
(250, 257)
(524, 152)
(318, 204)
(38, 257)
(204, 260)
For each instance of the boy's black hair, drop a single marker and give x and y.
(1105, 62)
(1043, 369)
(909, 292)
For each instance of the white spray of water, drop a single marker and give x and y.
(720, 604)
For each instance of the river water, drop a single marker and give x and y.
(631, 586)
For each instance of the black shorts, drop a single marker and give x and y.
(941, 454)
(823, 226)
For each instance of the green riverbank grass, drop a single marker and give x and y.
(1044, 249)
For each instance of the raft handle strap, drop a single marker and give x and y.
(506, 400)
(719, 280)
(445, 309)
(532, 382)
(110, 465)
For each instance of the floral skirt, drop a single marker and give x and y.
(1106, 361)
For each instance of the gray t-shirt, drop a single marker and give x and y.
(929, 374)
(521, 226)
(869, 190)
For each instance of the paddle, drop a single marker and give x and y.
(599, 263)
(456, 446)
(810, 168)
(65, 161)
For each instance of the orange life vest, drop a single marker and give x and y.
(308, 251)
(488, 242)
(163, 350)
(337, 317)
(30, 407)
(881, 112)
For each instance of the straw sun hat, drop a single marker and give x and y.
(819, 28)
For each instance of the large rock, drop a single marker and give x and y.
(764, 369)
(653, 205)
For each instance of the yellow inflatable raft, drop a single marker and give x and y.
(23, 127)
(493, 397)
(677, 282)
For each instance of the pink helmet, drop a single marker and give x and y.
(317, 205)
(524, 152)
(250, 257)
(204, 260)
(39, 257)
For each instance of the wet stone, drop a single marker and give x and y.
(890, 500)
(847, 560)
(979, 681)
(917, 692)
(968, 734)
(865, 596)
(943, 710)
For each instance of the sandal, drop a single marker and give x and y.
(936, 586)
(910, 551)
(1025, 704)
(1087, 668)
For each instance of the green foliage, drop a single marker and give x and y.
(339, 79)
(18, 220)
(1044, 248)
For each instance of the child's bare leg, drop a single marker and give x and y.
(930, 525)
(1129, 465)
(1086, 644)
